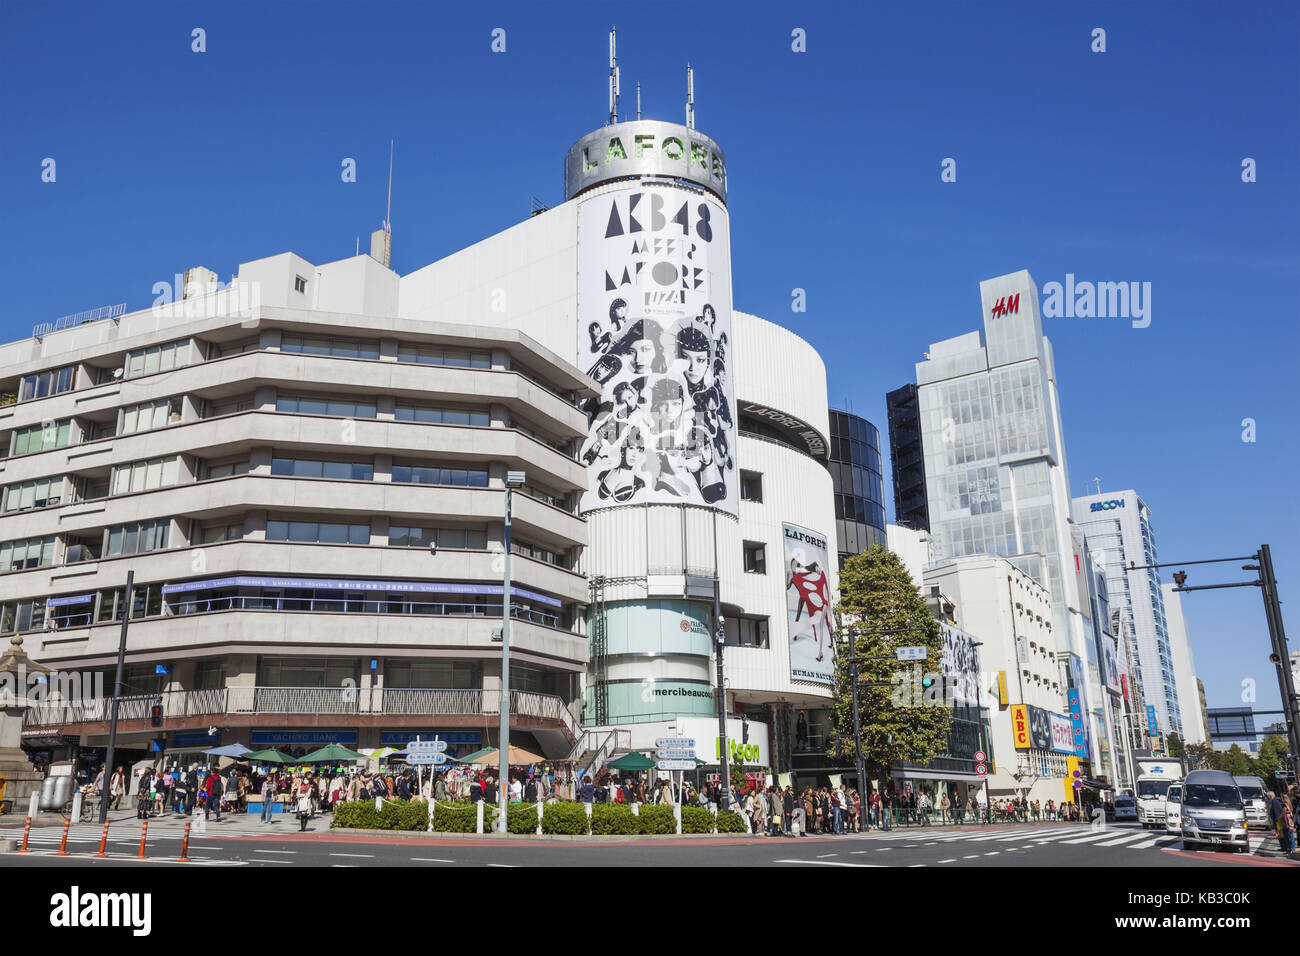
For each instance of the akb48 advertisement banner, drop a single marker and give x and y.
(656, 334)
(808, 605)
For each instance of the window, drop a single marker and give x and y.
(112, 605)
(145, 475)
(563, 447)
(325, 406)
(746, 632)
(33, 494)
(468, 539)
(34, 438)
(429, 415)
(318, 532)
(147, 601)
(438, 356)
(554, 500)
(299, 284)
(159, 358)
(751, 486)
(432, 674)
(755, 558)
(320, 345)
(28, 553)
(137, 537)
(149, 415)
(209, 675)
(460, 477)
(228, 407)
(310, 468)
(307, 672)
(26, 615)
(536, 552)
(211, 534)
(226, 469)
(221, 350)
(43, 384)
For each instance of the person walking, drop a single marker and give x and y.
(268, 796)
(945, 807)
(787, 809)
(304, 804)
(776, 811)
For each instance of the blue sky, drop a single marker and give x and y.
(1117, 166)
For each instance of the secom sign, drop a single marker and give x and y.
(1107, 505)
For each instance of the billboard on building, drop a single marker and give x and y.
(655, 332)
(808, 605)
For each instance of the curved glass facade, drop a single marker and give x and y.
(855, 469)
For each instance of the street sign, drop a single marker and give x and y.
(426, 758)
(686, 743)
(981, 769)
(911, 653)
(980, 756)
(426, 746)
(1078, 784)
(674, 753)
(676, 764)
(1078, 773)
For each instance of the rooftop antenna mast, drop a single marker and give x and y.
(690, 97)
(613, 76)
(388, 213)
(1098, 483)
(638, 101)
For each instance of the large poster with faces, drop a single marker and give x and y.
(655, 332)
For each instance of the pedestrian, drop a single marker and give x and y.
(945, 806)
(776, 811)
(117, 786)
(587, 793)
(304, 804)
(268, 796)
(787, 809)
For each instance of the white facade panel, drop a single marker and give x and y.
(777, 369)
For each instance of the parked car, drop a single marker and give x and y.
(1126, 808)
(1212, 811)
(1255, 796)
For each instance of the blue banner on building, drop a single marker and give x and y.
(313, 738)
(1076, 718)
(400, 738)
(1153, 728)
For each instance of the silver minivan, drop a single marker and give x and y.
(1255, 796)
(1173, 809)
(1212, 811)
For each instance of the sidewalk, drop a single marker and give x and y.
(124, 819)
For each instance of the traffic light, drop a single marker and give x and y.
(155, 715)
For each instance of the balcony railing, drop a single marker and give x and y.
(411, 701)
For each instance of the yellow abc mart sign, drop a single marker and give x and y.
(1020, 727)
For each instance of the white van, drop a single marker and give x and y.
(1212, 812)
(1174, 809)
(1255, 796)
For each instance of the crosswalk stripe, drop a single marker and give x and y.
(1100, 835)
(1124, 839)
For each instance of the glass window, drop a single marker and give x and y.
(340, 348)
(450, 357)
(755, 558)
(44, 384)
(137, 537)
(36, 438)
(157, 358)
(308, 468)
(145, 475)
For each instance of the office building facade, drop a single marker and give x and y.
(907, 458)
(858, 484)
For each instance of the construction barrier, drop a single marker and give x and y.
(27, 831)
(144, 833)
(185, 846)
(63, 844)
(103, 842)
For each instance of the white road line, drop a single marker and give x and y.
(429, 859)
(285, 862)
(1089, 838)
(822, 856)
(348, 865)
(884, 849)
(953, 860)
(359, 856)
(511, 866)
(823, 863)
(994, 853)
(971, 857)
(1147, 844)
(276, 851)
(1124, 839)
(915, 865)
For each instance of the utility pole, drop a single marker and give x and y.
(514, 479)
(107, 796)
(720, 639)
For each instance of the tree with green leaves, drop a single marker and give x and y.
(1237, 763)
(1202, 756)
(907, 719)
(1271, 758)
(1176, 748)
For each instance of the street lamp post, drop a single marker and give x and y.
(514, 479)
(110, 755)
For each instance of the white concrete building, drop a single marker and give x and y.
(1118, 526)
(1010, 614)
(1189, 695)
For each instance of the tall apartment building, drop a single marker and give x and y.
(995, 468)
(1118, 526)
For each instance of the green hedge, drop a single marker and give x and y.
(557, 818)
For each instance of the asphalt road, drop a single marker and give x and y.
(281, 846)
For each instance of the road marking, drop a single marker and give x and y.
(1124, 839)
(823, 863)
(994, 853)
(285, 862)
(822, 856)
(971, 857)
(275, 851)
(360, 856)
(1090, 837)
(429, 859)
(884, 849)
(348, 865)
(512, 866)
(916, 865)
(953, 860)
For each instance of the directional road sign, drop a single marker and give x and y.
(426, 758)
(676, 764)
(685, 743)
(911, 653)
(674, 753)
(426, 746)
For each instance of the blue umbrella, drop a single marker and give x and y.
(229, 750)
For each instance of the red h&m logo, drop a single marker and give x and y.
(1006, 305)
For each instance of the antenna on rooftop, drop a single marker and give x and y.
(388, 213)
(1098, 483)
(638, 101)
(690, 97)
(613, 76)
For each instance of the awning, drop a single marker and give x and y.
(356, 584)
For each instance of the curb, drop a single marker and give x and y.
(545, 838)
